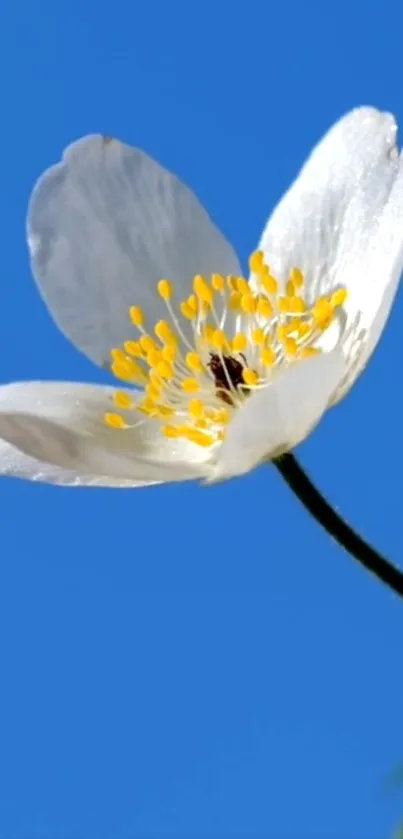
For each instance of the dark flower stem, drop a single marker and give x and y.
(322, 511)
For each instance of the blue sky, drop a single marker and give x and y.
(191, 663)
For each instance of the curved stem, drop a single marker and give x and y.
(322, 511)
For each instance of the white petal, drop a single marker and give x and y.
(15, 464)
(341, 222)
(104, 226)
(62, 424)
(280, 415)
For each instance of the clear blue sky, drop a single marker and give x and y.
(190, 663)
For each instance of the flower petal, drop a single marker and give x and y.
(62, 424)
(341, 222)
(280, 415)
(104, 226)
(15, 464)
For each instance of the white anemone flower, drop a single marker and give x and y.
(219, 372)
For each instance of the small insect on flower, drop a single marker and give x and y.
(215, 370)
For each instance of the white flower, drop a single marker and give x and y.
(219, 373)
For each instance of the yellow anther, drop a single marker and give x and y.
(291, 346)
(248, 303)
(239, 342)
(194, 362)
(242, 285)
(163, 411)
(250, 376)
(165, 289)
(296, 305)
(169, 353)
(172, 430)
(258, 336)
(290, 288)
(256, 262)
(221, 416)
(128, 371)
(136, 315)
(268, 357)
(234, 300)
(133, 348)
(153, 392)
(202, 290)
(123, 400)
(199, 437)
(147, 343)
(163, 331)
(147, 407)
(208, 332)
(322, 312)
(297, 277)
(269, 283)
(283, 304)
(187, 311)
(218, 282)
(196, 408)
(308, 352)
(232, 282)
(115, 420)
(154, 357)
(264, 308)
(165, 370)
(190, 385)
(304, 328)
(118, 355)
(220, 340)
(338, 297)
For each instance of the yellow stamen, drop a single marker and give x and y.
(264, 308)
(297, 277)
(234, 300)
(196, 408)
(136, 315)
(165, 289)
(239, 342)
(123, 400)
(147, 343)
(338, 297)
(291, 346)
(163, 331)
(194, 362)
(187, 310)
(268, 357)
(250, 376)
(199, 437)
(190, 385)
(220, 340)
(218, 282)
(202, 290)
(269, 283)
(133, 348)
(169, 353)
(242, 285)
(258, 336)
(322, 312)
(248, 303)
(128, 371)
(307, 352)
(114, 420)
(256, 262)
(165, 370)
(154, 357)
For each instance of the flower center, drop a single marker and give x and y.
(236, 339)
